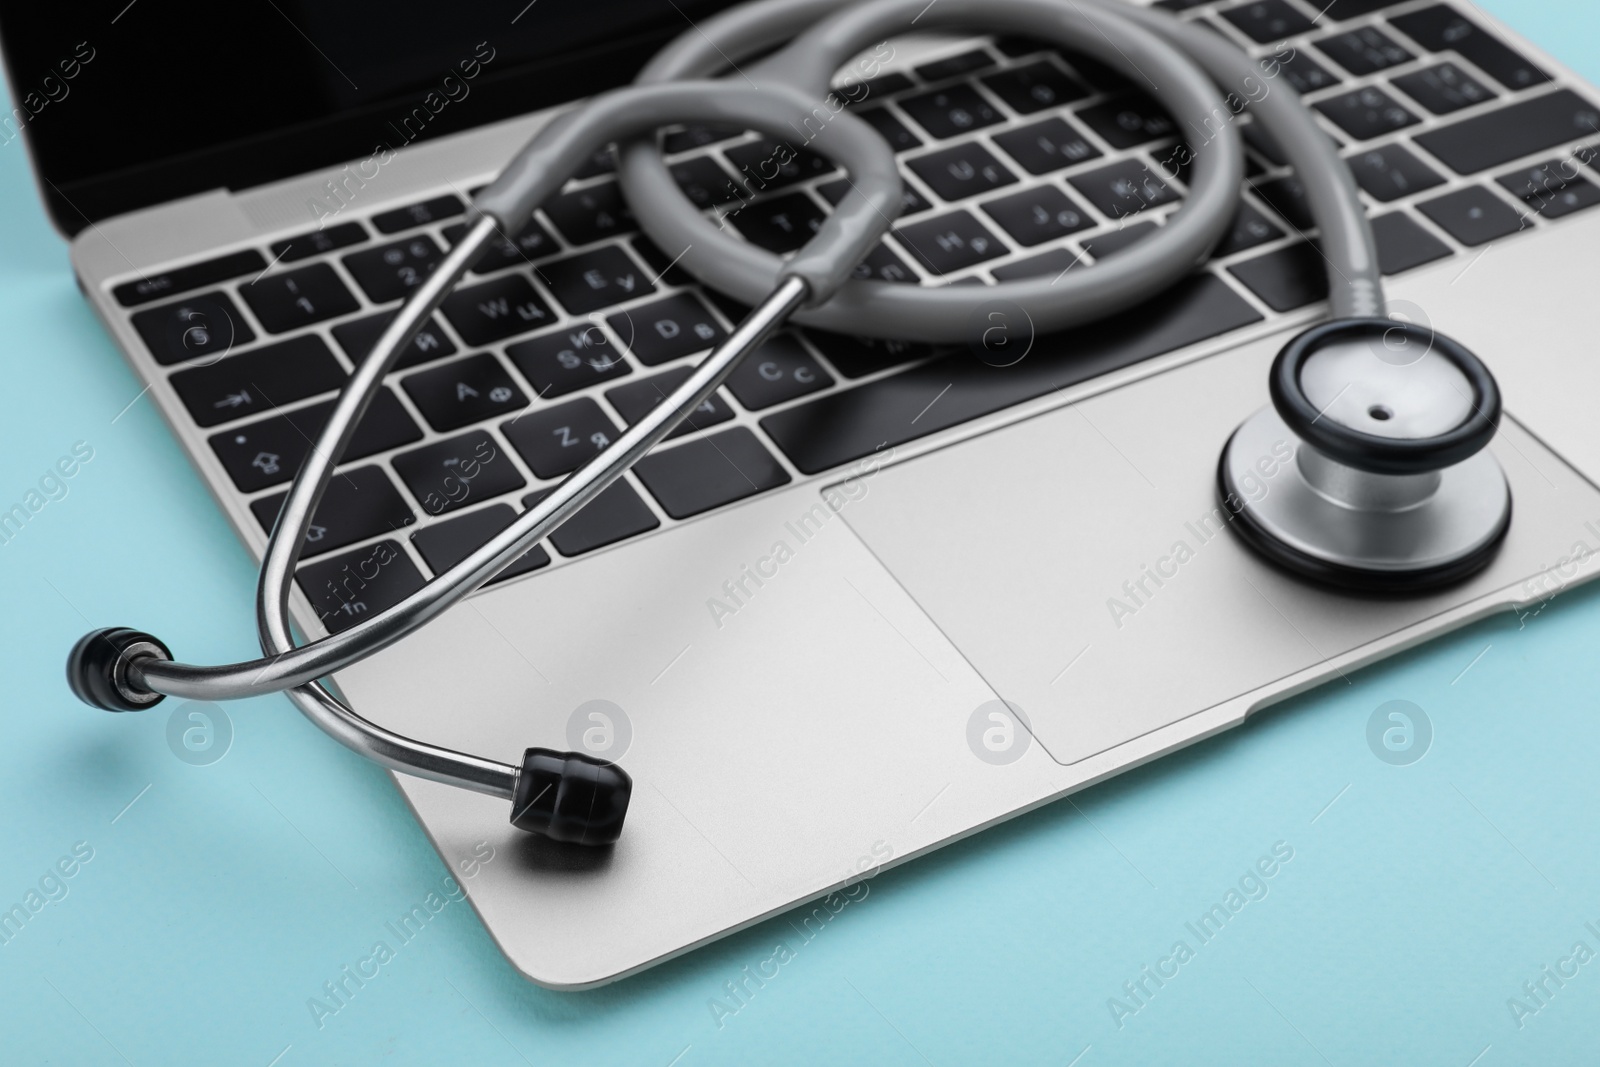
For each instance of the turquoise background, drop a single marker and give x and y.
(226, 895)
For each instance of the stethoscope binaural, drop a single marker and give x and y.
(1368, 471)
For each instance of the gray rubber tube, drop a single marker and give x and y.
(1181, 63)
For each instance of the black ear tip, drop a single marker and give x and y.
(571, 797)
(97, 668)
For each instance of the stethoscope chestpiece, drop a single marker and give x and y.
(1370, 470)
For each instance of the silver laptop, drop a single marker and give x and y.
(873, 597)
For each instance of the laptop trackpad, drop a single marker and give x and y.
(1080, 561)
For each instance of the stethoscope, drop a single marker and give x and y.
(1368, 471)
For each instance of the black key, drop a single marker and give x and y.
(404, 218)
(1364, 51)
(1035, 216)
(1177, 161)
(615, 515)
(891, 129)
(299, 297)
(710, 472)
(887, 85)
(882, 265)
(1179, 5)
(1256, 136)
(444, 544)
(1097, 75)
(951, 112)
(1250, 229)
(1474, 216)
(857, 357)
(663, 266)
(603, 161)
(667, 329)
(1051, 264)
(766, 164)
(1109, 244)
(1015, 47)
(568, 360)
(955, 66)
(1287, 197)
(493, 311)
(358, 336)
(194, 276)
(846, 425)
(359, 504)
(207, 325)
(1392, 172)
(269, 452)
(1552, 190)
(1124, 188)
(835, 191)
(464, 392)
(317, 242)
(950, 242)
(1440, 29)
(1504, 134)
(691, 137)
(637, 399)
(1444, 88)
(961, 171)
(1128, 121)
(531, 243)
(1350, 9)
(389, 272)
(558, 440)
(1035, 87)
(1046, 146)
(781, 223)
(1302, 72)
(457, 472)
(594, 280)
(345, 589)
(1366, 113)
(704, 181)
(591, 214)
(777, 372)
(258, 380)
(1287, 279)
(1403, 244)
(1268, 21)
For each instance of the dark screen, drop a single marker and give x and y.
(124, 105)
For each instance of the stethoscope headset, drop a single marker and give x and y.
(1391, 489)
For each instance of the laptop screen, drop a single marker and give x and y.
(124, 105)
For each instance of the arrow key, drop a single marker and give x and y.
(463, 392)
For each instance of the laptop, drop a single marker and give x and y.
(872, 597)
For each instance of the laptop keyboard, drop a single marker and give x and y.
(1019, 162)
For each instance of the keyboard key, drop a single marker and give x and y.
(955, 66)
(1366, 113)
(444, 544)
(591, 214)
(857, 357)
(1035, 216)
(1035, 87)
(1109, 244)
(1403, 244)
(1268, 21)
(560, 439)
(345, 589)
(603, 161)
(493, 311)
(961, 171)
(1392, 172)
(1286, 279)
(615, 515)
(1551, 192)
(1350, 9)
(1287, 197)
(594, 280)
(404, 218)
(1250, 229)
(835, 191)
(258, 380)
(358, 336)
(846, 425)
(668, 329)
(691, 137)
(950, 242)
(568, 360)
(766, 164)
(1509, 133)
(194, 276)
(1441, 29)
(704, 181)
(1474, 216)
(269, 452)
(662, 266)
(891, 129)
(1051, 264)
(1302, 72)
(887, 85)
(1444, 88)
(300, 297)
(1364, 51)
(781, 223)
(951, 112)
(710, 472)
(317, 242)
(1128, 121)
(1047, 146)
(457, 472)
(358, 504)
(777, 372)
(1124, 188)
(531, 243)
(464, 392)
(637, 399)
(389, 272)
(207, 325)
(882, 265)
